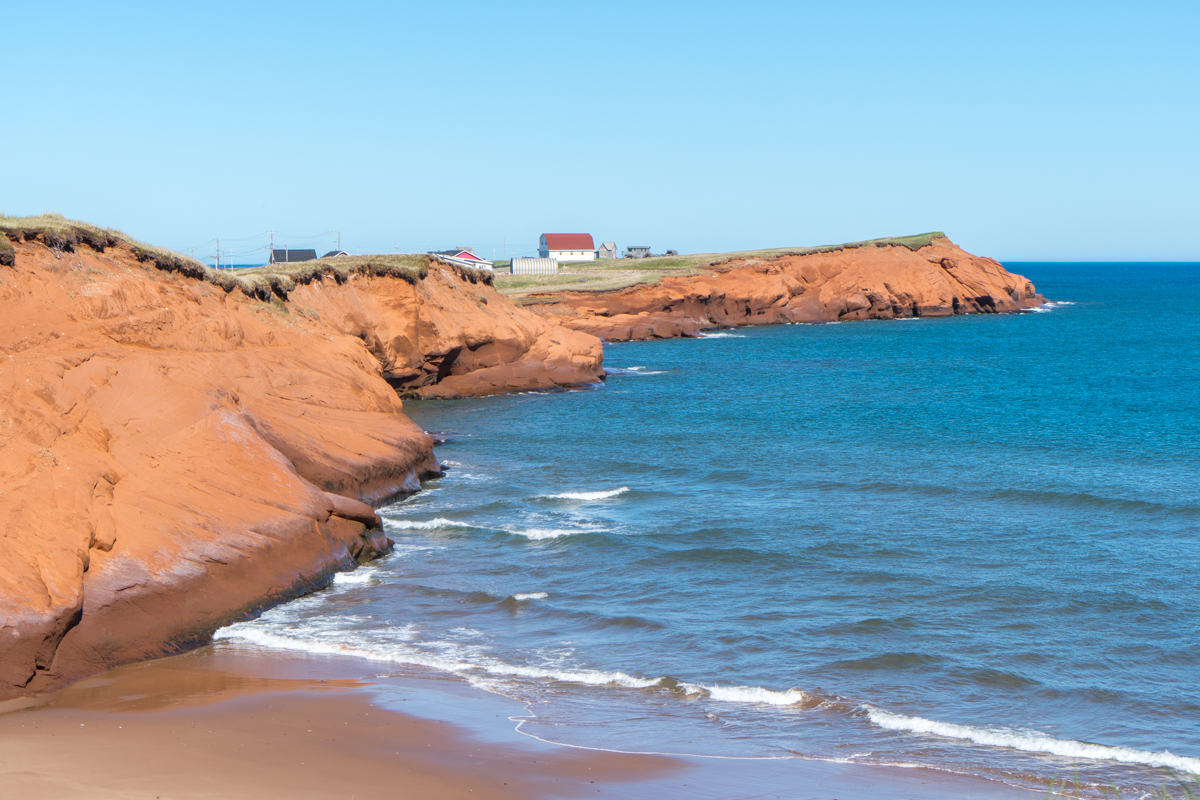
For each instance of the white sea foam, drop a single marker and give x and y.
(547, 533)
(428, 524)
(357, 577)
(1032, 742)
(1051, 305)
(588, 496)
(530, 596)
(747, 694)
(248, 632)
(403, 654)
(722, 335)
(588, 677)
(470, 661)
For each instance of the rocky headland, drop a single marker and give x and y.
(182, 448)
(923, 276)
(176, 454)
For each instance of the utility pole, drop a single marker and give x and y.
(271, 257)
(218, 253)
(339, 233)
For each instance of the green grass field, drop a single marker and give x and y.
(607, 275)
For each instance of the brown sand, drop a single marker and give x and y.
(218, 723)
(163, 732)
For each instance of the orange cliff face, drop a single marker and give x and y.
(939, 279)
(173, 457)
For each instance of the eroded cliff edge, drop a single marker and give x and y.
(175, 455)
(851, 282)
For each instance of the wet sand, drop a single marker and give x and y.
(214, 725)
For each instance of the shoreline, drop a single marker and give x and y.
(224, 722)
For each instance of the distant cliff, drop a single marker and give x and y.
(923, 276)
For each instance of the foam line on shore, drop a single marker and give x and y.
(1032, 742)
(407, 654)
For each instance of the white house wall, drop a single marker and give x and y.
(569, 255)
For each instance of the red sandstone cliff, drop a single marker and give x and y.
(173, 456)
(865, 282)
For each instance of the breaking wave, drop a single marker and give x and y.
(587, 496)
(530, 596)
(1032, 742)
(355, 578)
(750, 694)
(408, 653)
(429, 524)
(538, 534)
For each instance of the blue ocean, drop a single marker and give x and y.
(970, 544)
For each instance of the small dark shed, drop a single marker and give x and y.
(289, 256)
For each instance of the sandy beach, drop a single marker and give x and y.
(213, 724)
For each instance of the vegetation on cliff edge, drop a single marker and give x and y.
(274, 280)
(608, 275)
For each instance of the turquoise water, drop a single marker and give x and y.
(965, 543)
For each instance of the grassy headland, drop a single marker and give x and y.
(605, 275)
(274, 280)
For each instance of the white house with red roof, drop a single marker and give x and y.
(567, 246)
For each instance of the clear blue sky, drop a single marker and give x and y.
(1025, 130)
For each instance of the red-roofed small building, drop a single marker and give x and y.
(463, 256)
(567, 246)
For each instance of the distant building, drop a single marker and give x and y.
(464, 257)
(567, 246)
(534, 266)
(607, 250)
(637, 251)
(672, 252)
(334, 254)
(289, 256)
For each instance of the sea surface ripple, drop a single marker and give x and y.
(965, 543)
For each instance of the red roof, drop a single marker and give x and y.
(569, 241)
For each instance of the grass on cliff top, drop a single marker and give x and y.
(605, 275)
(340, 268)
(274, 280)
(406, 266)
